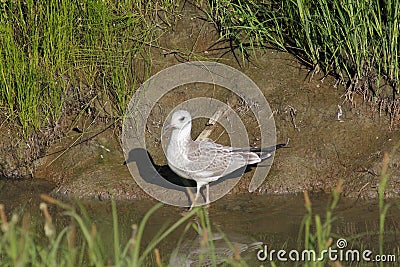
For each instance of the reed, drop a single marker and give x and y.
(79, 243)
(60, 55)
(317, 233)
(355, 41)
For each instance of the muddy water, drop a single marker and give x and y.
(243, 218)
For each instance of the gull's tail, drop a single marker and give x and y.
(266, 152)
(262, 153)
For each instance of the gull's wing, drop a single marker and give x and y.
(211, 160)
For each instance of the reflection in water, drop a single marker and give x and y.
(203, 250)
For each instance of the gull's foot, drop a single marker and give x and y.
(186, 211)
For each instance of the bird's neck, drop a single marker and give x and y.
(182, 136)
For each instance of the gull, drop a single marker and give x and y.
(205, 161)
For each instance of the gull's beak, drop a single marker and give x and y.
(170, 126)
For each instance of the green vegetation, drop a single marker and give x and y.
(383, 207)
(317, 233)
(322, 238)
(79, 244)
(57, 56)
(356, 41)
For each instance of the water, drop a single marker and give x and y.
(273, 220)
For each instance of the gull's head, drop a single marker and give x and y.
(180, 119)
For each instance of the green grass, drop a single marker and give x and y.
(80, 244)
(317, 234)
(60, 55)
(383, 207)
(355, 41)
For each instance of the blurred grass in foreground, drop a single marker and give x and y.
(80, 244)
(317, 232)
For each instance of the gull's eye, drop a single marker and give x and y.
(181, 118)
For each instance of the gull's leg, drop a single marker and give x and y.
(208, 195)
(196, 197)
